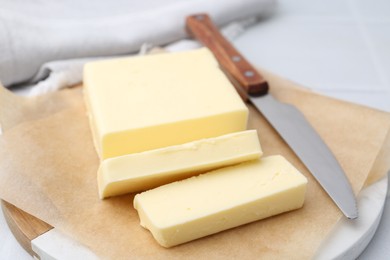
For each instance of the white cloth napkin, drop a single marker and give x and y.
(34, 36)
(56, 75)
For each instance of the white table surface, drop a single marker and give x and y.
(340, 48)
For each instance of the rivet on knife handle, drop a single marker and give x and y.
(203, 29)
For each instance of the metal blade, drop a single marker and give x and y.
(293, 127)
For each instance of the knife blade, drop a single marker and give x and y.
(287, 120)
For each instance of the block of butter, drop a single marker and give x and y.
(225, 198)
(147, 102)
(150, 169)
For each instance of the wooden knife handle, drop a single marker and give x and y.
(203, 29)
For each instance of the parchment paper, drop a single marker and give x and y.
(48, 168)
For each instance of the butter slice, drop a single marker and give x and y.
(147, 102)
(229, 197)
(146, 170)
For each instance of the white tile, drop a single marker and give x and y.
(373, 9)
(322, 54)
(314, 7)
(374, 99)
(380, 36)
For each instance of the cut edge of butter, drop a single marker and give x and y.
(186, 210)
(156, 137)
(150, 169)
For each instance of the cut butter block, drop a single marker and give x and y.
(147, 102)
(146, 170)
(229, 197)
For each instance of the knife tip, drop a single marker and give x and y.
(352, 214)
(355, 216)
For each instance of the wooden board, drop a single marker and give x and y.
(23, 226)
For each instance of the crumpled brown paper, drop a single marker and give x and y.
(48, 168)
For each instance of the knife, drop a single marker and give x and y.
(289, 122)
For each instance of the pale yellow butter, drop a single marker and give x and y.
(150, 169)
(147, 102)
(199, 206)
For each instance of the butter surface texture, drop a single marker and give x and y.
(150, 169)
(147, 102)
(229, 197)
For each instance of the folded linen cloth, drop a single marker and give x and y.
(33, 33)
(56, 75)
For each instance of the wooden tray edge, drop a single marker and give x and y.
(19, 222)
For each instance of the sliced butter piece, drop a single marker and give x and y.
(146, 170)
(142, 103)
(199, 206)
